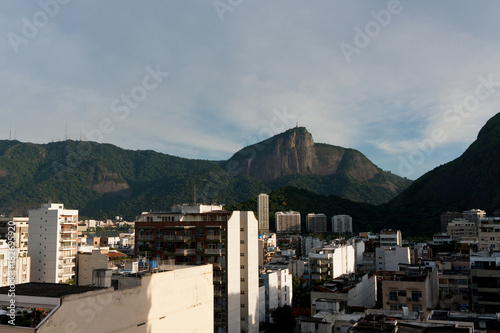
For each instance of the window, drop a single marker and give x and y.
(242, 266)
(242, 229)
(242, 305)
(416, 295)
(242, 279)
(393, 295)
(402, 293)
(242, 254)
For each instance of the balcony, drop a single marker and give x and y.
(169, 237)
(217, 252)
(185, 252)
(217, 238)
(219, 280)
(183, 238)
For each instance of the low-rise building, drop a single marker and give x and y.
(332, 261)
(461, 228)
(278, 291)
(389, 258)
(390, 238)
(344, 292)
(414, 287)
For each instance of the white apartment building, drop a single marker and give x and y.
(287, 222)
(52, 243)
(20, 225)
(316, 222)
(389, 258)
(342, 224)
(391, 238)
(332, 261)
(278, 291)
(13, 268)
(263, 212)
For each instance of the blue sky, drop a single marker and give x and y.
(407, 83)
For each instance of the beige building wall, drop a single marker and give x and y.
(87, 262)
(175, 301)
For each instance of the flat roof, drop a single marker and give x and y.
(41, 289)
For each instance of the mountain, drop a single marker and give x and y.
(293, 158)
(102, 180)
(471, 181)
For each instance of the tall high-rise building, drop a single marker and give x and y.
(263, 211)
(203, 234)
(342, 224)
(52, 243)
(288, 222)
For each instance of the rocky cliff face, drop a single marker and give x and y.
(295, 152)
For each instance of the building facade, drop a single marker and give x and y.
(201, 234)
(316, 222)
(461, 228)
(342, 224)
(391, 238)
(263, 212)
(287, 222)
(52, 243)
(20, 225)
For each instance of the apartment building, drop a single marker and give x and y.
(263, 213)
(287, 222)
(391, 238)
(316, 222)
(489, 235)
(20, 228)
(205, 234)
(485, 281)
(474, 215)
(414, 287)
(13, 268)
(331, 261)
(342, 224)
(52, 243)
(347, 291)
(389, 258)
(277, 286)
(462, 228)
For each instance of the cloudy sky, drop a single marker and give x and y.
(407, 83)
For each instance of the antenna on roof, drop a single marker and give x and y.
(297, 124)
(195, 195)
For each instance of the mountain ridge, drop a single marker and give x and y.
(103, 179)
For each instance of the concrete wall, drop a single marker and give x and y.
(176, 301)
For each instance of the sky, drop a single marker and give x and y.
(407, 83)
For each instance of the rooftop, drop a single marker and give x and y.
(55, 290)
